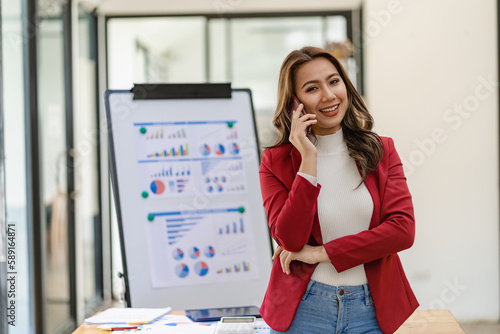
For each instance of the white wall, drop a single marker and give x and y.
(426, 60)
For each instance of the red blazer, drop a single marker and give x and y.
(291, 206)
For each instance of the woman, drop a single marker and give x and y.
(338, 207)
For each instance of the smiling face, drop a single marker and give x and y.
(319, 86)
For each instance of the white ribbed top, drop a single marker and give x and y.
(342, 209)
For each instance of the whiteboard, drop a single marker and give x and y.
(185, 177)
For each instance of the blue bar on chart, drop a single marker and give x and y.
(233, 228)
(181, 151)
(165, 172)
(237, 268)
(178, 228)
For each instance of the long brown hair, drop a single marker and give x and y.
(364, 145)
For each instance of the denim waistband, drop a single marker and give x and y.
(339, 292)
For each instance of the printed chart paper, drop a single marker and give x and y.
(178, 158)
(201, 246)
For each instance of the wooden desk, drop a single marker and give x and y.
(430, 322)
(421, 321)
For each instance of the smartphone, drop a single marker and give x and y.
(294, 104)
(215, 314)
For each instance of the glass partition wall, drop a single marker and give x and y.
(52, 99)
(68, 125)
(52, 179)
(87, 197)
(13, 105)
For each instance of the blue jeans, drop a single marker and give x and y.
(326, 309)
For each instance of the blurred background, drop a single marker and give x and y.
(428, 71)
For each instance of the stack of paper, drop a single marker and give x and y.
(127, 316)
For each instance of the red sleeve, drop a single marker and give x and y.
(396, 231)
(290, 214)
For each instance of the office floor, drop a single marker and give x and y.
(481, 328)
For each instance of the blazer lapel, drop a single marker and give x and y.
(371, 184)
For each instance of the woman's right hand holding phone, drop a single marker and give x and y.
(300, 122)
(301, 142)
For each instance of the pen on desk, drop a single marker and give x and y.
(121, 328)
(125, 328)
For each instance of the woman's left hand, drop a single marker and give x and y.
(309, 254)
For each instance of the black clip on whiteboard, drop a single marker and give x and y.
(181, 91)
(216, 150)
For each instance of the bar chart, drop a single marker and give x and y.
(178, 151)
(233, 228)
(178, 228)
(162, 141)
(236, 268)
(159, 133)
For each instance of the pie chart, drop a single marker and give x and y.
(209, 251)
(219, 149)
(201, 268)
(157, 187)
(181, 270)
(205, 150)
(235, 149)
(178, 254)
(194, 253)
